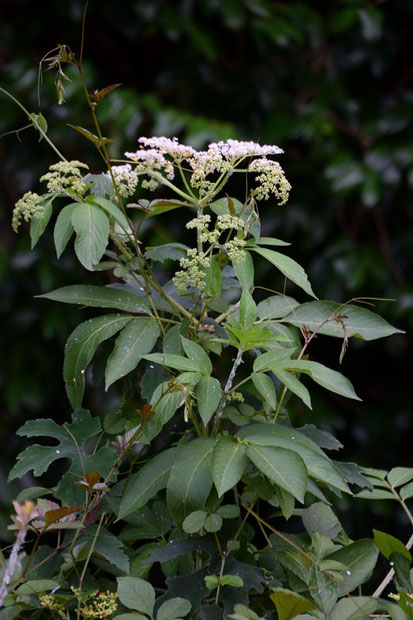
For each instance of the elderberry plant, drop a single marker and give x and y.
(177, 506)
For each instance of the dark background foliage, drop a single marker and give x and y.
(331, 83)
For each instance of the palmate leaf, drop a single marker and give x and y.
(352, 320)
(71, 445)
(81, 347)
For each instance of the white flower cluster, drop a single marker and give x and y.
(221, 158)
(193, 271)
(64, 175)
(271, 179)
(126, 179)
(235, 149)
(30, 205)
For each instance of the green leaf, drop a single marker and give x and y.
(395, 612)
(38, 224)
(213, 278)
(36, 585)
(101, 185)
(319, 466)
(244, 270)
(212, 582)
(105, 545)
(167, 251)
(72, 444)
(289, 604)
(97, 141)
(243, 613)
(112, 210)
(213, 523)
(229, 461)
(406, 492)
(208, 394)
(354, 608)
(136, 339)
(360, 558)
(151, 478)
(194, 522)
(271, 241)
(63, 229)
(286, 501)
(231, 580)
(165, 402)
(247, 310)
(376, 494)
(131, 617)
(197, 354)
(283, 467)
(174, 361)
(330, 379)
(190, 480)
(358, 322)
(276, 307)
(400, 475)
(293, 384)
(98, 297)
(157, 207)
(228, 511)
(292, 270)
(389, 544)
(137, 594)
(174, 608)
(320, 518)
(266, 361)
(265, 386)
(81, 347)
(92, 233)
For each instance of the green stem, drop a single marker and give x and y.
(39, 129)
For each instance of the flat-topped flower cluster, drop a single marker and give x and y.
(204, 172)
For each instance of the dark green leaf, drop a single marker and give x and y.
(358, 322)
(360, 558)
(135, 340)
(276, 307)
(38, 224)
(98, 297)
(190, 480)
(208, 393)
(320, 518)
(63, 229)
(137, 594)
(229, 461)
(289, 604)
(92, 233)
(168, 251)
(81, 347)
(284, 467)
(150, 479)
(292, 270)
(389, 544)
(213, 278)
